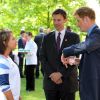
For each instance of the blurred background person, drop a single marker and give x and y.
(38, 40)
(31, 62)
(48, 30)
(21, 46)
(68, 28)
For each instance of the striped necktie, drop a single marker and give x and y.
(58, 41)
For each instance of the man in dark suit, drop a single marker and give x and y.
(21, 45)
(89, 68)
(60, 83)
(38, 40)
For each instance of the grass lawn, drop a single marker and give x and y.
(38, 94)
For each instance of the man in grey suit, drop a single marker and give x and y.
(59, 83)
(89, 68)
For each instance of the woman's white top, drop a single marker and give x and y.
(31, 56)
(16, 58)
(9, 77)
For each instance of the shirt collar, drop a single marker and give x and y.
(62, 32)
(90, 29)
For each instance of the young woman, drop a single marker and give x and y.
(9, 73)
(31, 62)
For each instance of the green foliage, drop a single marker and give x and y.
(38, 94)
(32, 14)
(98, 1)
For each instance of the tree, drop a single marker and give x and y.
(32, 14)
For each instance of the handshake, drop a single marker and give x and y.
(71, 60)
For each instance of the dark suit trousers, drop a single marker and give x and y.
(37, 69)
(58, 95)
(30, 79)
(21, 59)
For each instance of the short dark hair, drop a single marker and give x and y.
(29, 34)
(4, 38)
(85, 11)
(60, 11)
(22, 32)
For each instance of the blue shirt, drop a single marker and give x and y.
(90, 29)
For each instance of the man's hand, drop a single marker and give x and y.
(56, 77)
(71, 60)
(64, 60)
(59, 81)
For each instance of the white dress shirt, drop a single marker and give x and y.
(61, 35)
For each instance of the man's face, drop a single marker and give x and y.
(58, 21)
(81, 23)
(24, 35)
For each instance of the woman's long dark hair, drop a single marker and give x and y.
(4, 38)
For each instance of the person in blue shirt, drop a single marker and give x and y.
(89, 68)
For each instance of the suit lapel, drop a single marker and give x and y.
(54, 43)
(65, 40)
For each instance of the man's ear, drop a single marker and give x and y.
(65, 20)
(85, 19)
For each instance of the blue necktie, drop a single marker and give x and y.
(58, 41)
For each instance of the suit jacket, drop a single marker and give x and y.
(89, 72)
(51, 62)
(21, 44)
(38, 40)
